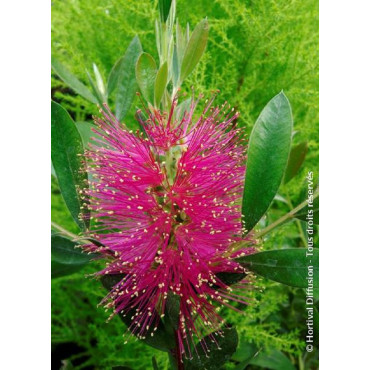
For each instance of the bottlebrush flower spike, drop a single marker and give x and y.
(167, 208)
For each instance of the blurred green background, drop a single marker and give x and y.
(255, 49)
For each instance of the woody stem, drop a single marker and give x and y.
(285, 218)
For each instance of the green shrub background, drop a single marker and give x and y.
(256, 48)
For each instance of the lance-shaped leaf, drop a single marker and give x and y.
(214, 350)
(280, 198)
(65, 257)
(171, 318)
(67, 157)
(244, 354)
(296, 159)
(273, 359)
(230, 278)
(194, 49)
(86, 132)
(99, 96)
(287, 266)
(72, 81)
(146, 73)
(175, 67)
(122, 77)
(164, 9)
(160, 340)
(160, 84)
(268, 153)
(100, 82)
(178, 54)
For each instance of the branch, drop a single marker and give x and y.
(285, 218)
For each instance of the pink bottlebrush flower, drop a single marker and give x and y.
(167, 207)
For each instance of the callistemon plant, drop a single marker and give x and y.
(174, 207)
(166, 201)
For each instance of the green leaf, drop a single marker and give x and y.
(63, 251)
(194, 49)
(287, 266)
(160, 84)
(230, 278)
(86, 132)
(129, 59)
(268, 154)
(295, 161)
(65, 258)
(146, 72)
(67, 157)
(171, 318)
(181, 42)
(53, 170)
(182, 108)
(99, 97)
(161, 340)
(164, 9)
(218, 353)
(312, 209)
(154, 363)
(178, 53)
(100, 82)
(122, 77)
(244, 354)
(274, 360)
(279, 198)
(175, 67)
(72, 81)
(60, 269)
(88, 135)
